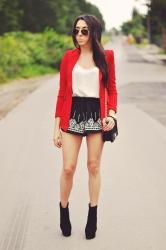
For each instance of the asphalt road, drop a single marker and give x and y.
(132, 204)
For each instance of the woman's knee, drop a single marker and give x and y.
(93, 167)
(69, 170)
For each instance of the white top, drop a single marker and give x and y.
(85, 82)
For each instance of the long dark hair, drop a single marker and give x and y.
(95, 29)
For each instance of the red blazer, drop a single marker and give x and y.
(64, 97)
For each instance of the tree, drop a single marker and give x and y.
(157, 15)
(135, 26)
(10, 15)
(36, 15)
(58, 14)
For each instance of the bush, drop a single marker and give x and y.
(26, 54)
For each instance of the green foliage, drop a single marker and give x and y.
(10, 15)
(135, 26)
(36, 15)
(26, 54)
(34, 70)
(105, 38)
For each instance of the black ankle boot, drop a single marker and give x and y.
(65, 224)
(91, 226)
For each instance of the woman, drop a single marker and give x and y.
(85, 72)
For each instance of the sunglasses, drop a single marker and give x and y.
(83, 31)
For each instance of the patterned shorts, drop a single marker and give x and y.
(85, 116)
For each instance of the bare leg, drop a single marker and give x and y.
(94, 146)
(70, 148)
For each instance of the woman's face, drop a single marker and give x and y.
(82, 39)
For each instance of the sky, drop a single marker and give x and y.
(115, 12)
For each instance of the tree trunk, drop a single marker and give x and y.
(164, 38)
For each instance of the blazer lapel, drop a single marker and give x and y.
(72, 62)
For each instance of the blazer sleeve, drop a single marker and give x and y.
(62, 86)
(112, 90)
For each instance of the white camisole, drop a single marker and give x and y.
(85, 82)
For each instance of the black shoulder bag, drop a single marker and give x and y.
(111, 134)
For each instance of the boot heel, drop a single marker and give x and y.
(91, 226)
(65, 223)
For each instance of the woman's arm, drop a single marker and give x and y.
(57, 133)
(57, 123)
(112, 112)
(112, 95)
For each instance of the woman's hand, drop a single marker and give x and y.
(57, 138)
(108, 123)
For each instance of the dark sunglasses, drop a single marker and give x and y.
(83, 31)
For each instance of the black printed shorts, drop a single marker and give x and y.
(85, 116)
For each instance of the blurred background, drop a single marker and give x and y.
(34, 34)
